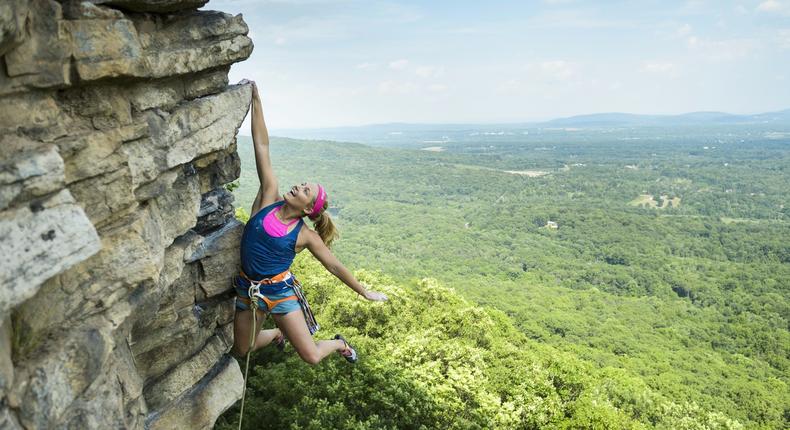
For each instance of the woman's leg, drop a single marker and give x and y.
(242, 323)
(295, 329)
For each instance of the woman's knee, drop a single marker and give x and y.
(310, 357)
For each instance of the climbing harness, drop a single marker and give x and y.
(254, 292)
(292, 282)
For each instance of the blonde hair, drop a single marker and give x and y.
(323, 225)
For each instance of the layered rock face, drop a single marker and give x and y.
(117, 237)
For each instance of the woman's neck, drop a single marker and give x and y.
(286, 213)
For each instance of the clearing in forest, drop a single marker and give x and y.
(647, 200)
(667, 202)
(529, 173)
(644, 200)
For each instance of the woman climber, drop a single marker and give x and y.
(272, 237)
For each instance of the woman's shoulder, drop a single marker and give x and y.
(306, 234)
(266, 209)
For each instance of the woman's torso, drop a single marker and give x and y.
(262, 254)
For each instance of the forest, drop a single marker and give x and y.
(545, 278)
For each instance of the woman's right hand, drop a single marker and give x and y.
(255, 95)
(254, 91)
(375, 296)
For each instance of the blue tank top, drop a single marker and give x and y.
(263, 255)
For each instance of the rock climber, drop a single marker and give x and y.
(274, 234)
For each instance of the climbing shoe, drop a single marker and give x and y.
(350, 354)
(280, 341)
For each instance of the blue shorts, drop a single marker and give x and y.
(280, 297)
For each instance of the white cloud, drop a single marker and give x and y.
(429, 71)
(557, 69)
(696, 7)
(771, 6)
(783, 38)
(683, 31)
(399, 64)
(673, 61)
(509, 86)
(661, 68)
(722, 50)
(310, 29)
(673, 30)
(366, 66)
(546, 79)
(575, 19)
(396, 87)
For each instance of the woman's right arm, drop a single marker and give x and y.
(333, 265)
(267, 193)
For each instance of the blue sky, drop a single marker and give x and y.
(325, 63)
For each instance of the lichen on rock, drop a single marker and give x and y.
(117, 237)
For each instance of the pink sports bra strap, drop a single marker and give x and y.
(274, 226)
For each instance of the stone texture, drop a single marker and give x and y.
(32, 113)
(53, 380)
(218, 241)
(30, 172)
(41, 59)
(12, 16)
(210, 82)
(6, 365)
(210, 122)
(180, 327)
(186, 374)
(145, 48)
(204, 403)
(77, 9)
(89, 43)
(216, 208)
(8, 421)
(216, 253)
(154, 5)
(223, 167)
(117, 136)
(112, 400)
(106, 197)
(202, 126)
(39, 241)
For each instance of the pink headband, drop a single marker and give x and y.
(320, 198)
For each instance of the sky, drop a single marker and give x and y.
(327, 63)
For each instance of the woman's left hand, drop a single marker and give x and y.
(375, 296)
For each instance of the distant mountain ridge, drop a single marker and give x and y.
(691, 118)
(609, 119)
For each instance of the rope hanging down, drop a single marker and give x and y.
(252, 292)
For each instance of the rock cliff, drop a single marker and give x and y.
(117, 136)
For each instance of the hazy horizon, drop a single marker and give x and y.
(511, 123)
(341, 63)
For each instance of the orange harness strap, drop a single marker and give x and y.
(267, 281)
(269, 303)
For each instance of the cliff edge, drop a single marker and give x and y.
(117, 236)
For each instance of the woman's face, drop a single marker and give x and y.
(302, 196)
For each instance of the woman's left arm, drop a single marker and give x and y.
(335, 267)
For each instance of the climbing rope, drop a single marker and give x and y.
(251, 293)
